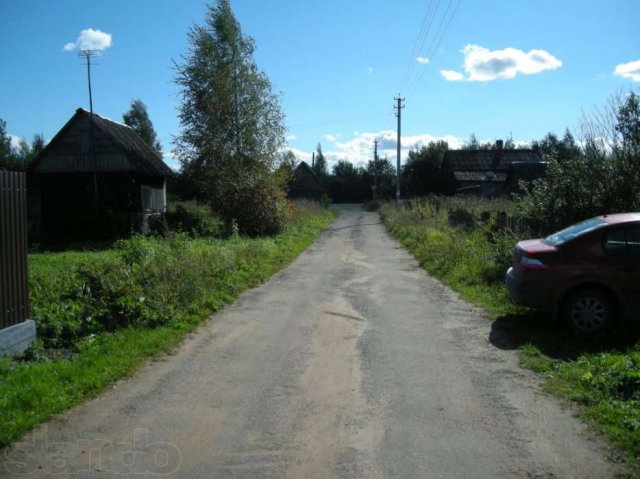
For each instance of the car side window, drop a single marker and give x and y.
(633, 241)
(614, 242)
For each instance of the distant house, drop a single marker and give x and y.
(85, 169)
(490, 172)
(306, 184)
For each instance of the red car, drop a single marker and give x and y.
(589, 273)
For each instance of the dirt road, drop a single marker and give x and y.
(351, 362)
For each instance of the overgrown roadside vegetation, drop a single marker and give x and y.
(471, 256)
(100, 314)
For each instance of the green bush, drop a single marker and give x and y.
(603, 179)
(255, 204)
(194, 219)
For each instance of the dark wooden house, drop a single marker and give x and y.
(306, 184)
(490, 173)
(95, 171)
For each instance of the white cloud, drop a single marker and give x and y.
(369, 70)
(90, 39)
(15, 140)
(422, 60)
(291, 138)
(452, 75)
(629, 70)
(484, 65)
(329, 137)
(359, 149)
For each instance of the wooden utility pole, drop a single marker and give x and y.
(375, 168)
(399, 108)
(88, 55)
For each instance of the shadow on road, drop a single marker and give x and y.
(555, 339)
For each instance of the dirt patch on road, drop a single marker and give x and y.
(339, 422)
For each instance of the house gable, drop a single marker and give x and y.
(116, 148)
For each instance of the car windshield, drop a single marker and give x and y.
(573, 231)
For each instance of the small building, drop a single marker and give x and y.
(306, 184)
(490, 173)
(95, 174)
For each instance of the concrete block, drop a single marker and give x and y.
(17, 338)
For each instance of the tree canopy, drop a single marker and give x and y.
(138, 119)
(232, 126)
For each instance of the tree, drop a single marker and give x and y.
(628, 124)
(385, 172)
(232, 124)
(474, 144)
(422, 171)
(343, 168)
(37, 144)
(138, 119)
(552, 148)
(603, 178)
(7, 157)
(320, 164)
(509, 144)
(348, 183)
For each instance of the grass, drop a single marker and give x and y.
(96, 327)
(601, 374)
(471, 261)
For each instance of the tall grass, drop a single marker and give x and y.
(470, 259)
(100, 314)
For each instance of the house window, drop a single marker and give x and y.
(152, 199)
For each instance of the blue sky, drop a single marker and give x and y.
(492, 68)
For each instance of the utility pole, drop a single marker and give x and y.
(88, 55)
(399, 108)
(375, 168)
(313, 162)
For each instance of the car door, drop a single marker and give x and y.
(622, 248)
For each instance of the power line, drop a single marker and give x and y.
(437, 40)
(418, 44)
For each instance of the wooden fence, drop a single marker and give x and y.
(14, 297)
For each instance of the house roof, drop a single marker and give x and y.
(305, 182)
(305, 170)
(124, 138)
(487, 160)
(480, 176)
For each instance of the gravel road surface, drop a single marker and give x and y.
(352, 362)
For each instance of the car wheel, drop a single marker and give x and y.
(588, 310)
